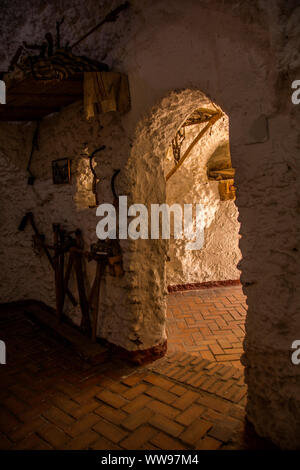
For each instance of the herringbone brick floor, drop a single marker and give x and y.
(208, 322)
(50, 399)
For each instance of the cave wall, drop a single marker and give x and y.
(243, 56)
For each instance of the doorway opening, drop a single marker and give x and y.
(206, 306)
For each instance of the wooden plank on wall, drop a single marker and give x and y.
(32, 99)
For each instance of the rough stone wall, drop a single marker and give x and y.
(243, 55)
(27, 273)
(217, 259)
(270, 232)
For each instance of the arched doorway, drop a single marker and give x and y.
(198, 169)
(203, 178)
(145, 177)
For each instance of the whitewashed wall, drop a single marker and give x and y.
(243, 56)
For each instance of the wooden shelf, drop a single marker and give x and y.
(30, 99)
(224, 174)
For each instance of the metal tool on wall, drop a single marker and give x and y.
(40, 241)
(113, 187)
(95, 177)
(208, 116)
(34, 147)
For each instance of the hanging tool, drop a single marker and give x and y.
(112, 185)
(95, 178)
(34, 146)
(177, 144)
(40, 241)
(58, 25)
(210, 122)
(111, 17)
(105, 253)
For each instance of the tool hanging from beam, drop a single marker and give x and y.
(112, 16)
(210, 117)
(95, 177)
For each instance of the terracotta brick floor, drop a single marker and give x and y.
(208, 323)
(50, 399)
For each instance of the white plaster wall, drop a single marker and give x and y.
(243, 56)
(217, 259)
(26, 273)
(161, 48)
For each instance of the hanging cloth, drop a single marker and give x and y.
(105, 92)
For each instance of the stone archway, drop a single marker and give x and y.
(145, 177)
(272, 406)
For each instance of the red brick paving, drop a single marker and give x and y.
(50, 399)
(208, 323)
